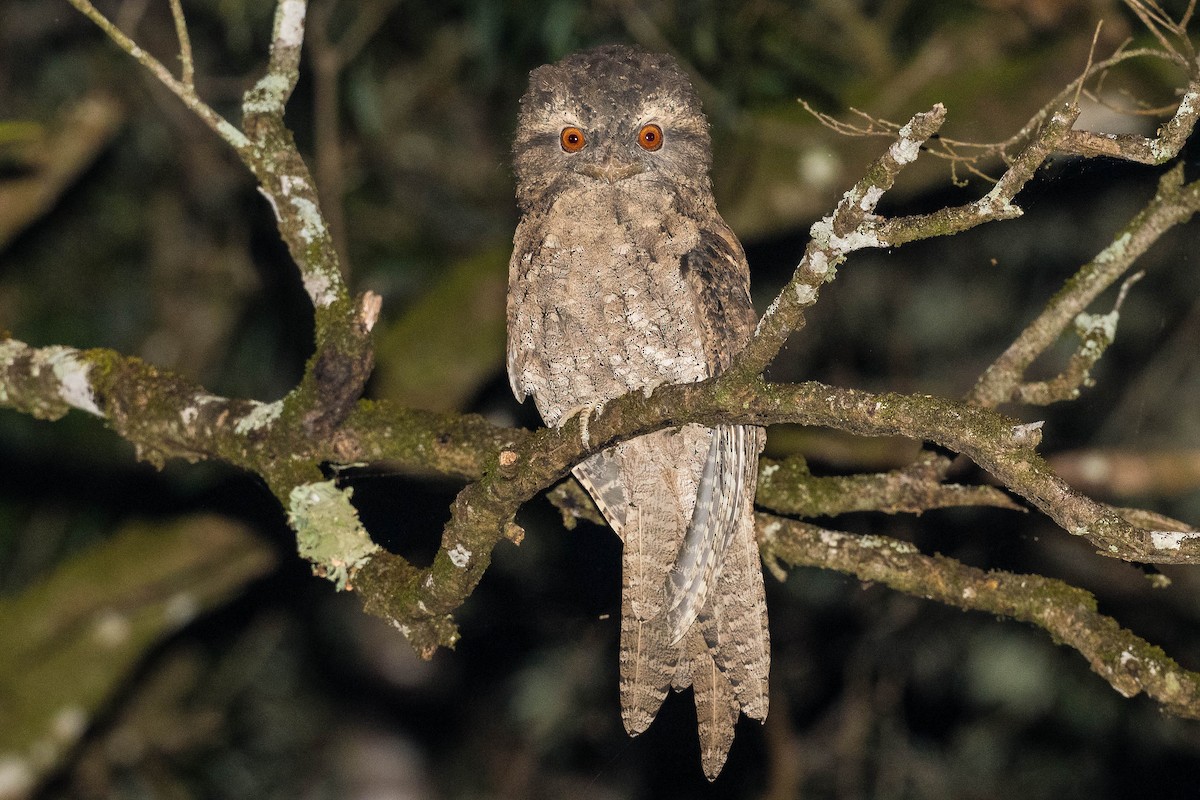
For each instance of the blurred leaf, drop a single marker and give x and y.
(452, 341)
(72, 639)
(53, 159)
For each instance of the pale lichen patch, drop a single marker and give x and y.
(289, 184)
(831, 539)
(72, 374)
(824, 237)
(817, 264)
(9, 350)
(459, 556)
(328, 531)
(1187, 103)
(189, 414)
(1103, 324)
(1171, 540)
(267, 95)
(291, 23)
(312, 224)
(870, 198)
(905, 149)
(320, 289)
(995, 202)
(261, 416)
(1116, 250)
(1028, 434)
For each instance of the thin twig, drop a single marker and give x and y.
(1126, 146)
(1187, 14)
(852, 226)
(188, 70)
(234, 137)
(1087, 70)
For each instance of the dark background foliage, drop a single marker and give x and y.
(158, 245)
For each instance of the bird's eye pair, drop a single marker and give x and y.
(650, 137)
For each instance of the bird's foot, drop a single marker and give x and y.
(585, 413)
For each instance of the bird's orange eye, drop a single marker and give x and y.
(572, 139)
(650, 137)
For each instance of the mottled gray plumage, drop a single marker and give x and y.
(624, 277)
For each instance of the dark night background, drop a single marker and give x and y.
(261, 681)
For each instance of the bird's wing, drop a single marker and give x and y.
(525, 372)
(718, 277)
(720, 501)
(601, 476)
(719, 282)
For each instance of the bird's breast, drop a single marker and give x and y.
(607, 308)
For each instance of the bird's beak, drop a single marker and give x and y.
(610, 170)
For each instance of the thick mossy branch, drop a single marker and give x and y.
(183, 88)
(145, 405)
(998, 444)
(787, 487)
(168, 416)
(1129, 663)
(483, 512)
(421, 443)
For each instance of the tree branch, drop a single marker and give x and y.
(787, 487)
(483, 512)
(1173, 204)
(1129, 664)
(852, 226)
(1096, 332)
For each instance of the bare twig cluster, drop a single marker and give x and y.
(1175, 48)
(324, 420)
